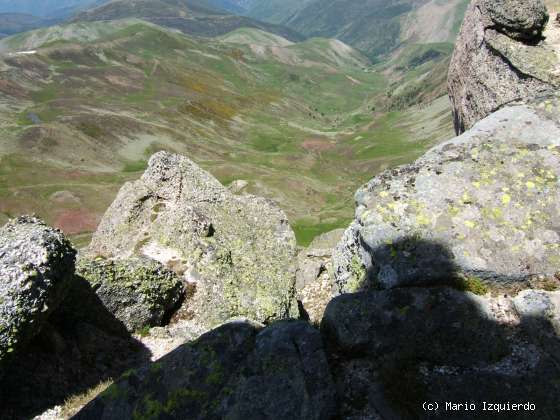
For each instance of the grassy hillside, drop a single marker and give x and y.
(301, 122)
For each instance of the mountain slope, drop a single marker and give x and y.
(374, 26)
(194, 17)
(276, 11)
(301, 122)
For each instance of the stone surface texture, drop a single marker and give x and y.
(36, 266)
(500, 57)
(238, 251)
(484, 204)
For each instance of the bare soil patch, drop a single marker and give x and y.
(318, 144)
(72, 222)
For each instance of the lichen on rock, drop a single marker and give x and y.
(484, 204)
(36, 267)
(140, 292)
(237, 250)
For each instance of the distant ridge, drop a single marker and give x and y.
(193, 17)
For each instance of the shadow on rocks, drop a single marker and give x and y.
(237, 371)
(380, 354)
(427, 339)
(81, 345)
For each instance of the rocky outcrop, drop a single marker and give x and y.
(483, 205)
(500, 57)
(140, 292)
(237, 250)
(314, 275)
(36, 266)
(237, 371)
(393, 351)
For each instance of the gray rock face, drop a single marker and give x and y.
(238, 251)
(391, 351)
(236, 372)
(139, 292)
(484, 204)
(499, 58)
(36, 266)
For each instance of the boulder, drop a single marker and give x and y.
(237, 371)
(523, 20)
(36, 267)
(392, 351)
(237, 250)
(500, 57)
(57, 339)
(484, 205)
(140, 292)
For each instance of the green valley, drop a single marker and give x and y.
(304, 123)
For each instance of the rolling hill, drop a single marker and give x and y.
(83, 106)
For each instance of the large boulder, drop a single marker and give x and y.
(484, 205)
(237, 371)
(393, 352)
(500, 57)
(36, 267)
(238, 251)
(140, 292)
(57, 339)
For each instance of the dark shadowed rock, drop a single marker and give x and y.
(485, 204)
(499, 58)
(407, 320)
(140, 292)
(392, 351)
(36, 267)
(237, 371)
(237, 250)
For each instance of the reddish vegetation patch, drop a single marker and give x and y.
(72, 222)
(13, 89)
(318, 144)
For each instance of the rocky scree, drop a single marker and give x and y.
(314, 276)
